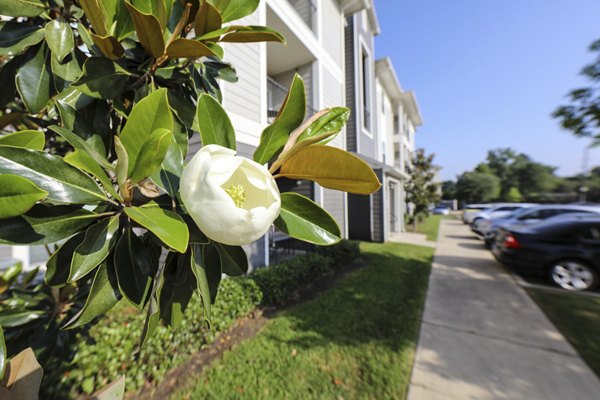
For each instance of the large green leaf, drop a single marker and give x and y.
(251, 34)
(83, 161)
(169, 175)
(214, 123)
(109, 46)
(3, 353)
(150, 114)
(44, 225)
(207, 19)
(231, 10)
(63, 183)
(212, 267)
(178, 287)
(331, 168)
(102, 79)
(234, 261)
(16, 37)
(58, 265)
(103, 296)
(166, 225)
(187, 48)
(153, 313)
(59, 37)
(34, 81)
(96, 14)
(92, 146)
(152, 154)
(134, 268)
(34, 140)
(290, 116)
(158, 8)
(149, 31)
(97, 244)
(199, 271)
(13, 318)
(68, 70)
(21, 8)
(303, 219)
(7, 81)
(321, 128)
(18, 195)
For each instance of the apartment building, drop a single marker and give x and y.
(381, 130)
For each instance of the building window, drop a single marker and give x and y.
(365, 90)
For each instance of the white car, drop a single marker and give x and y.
(471, 210)
(497, 211)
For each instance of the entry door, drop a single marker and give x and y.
(393, 207)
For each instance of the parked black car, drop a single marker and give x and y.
(566, 249)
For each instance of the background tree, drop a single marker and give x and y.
(582, 115)
(421, 188)
(477, 187)
(448, 190)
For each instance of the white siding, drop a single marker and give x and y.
(332, 30)
(5, 252)
(244, 97)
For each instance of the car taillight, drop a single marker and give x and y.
(510, 242)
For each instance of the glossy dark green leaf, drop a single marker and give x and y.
(122, 163)
(150, 114)
(199, 271)
(134, 268)
(196, 235)
(290, 116)
(63, 183)
(161, 9)
(97, 244)
(165, 224)
(169, 175)
(59, 37)
(214, 123)
(187, 48)
(34, 81)
(21, 8)
(109, 46)
(152, 154)
(68, 70)
(212, 267)
(96, 15)
(303, 219)
(149, 31)
(16, 37)
(231, 10)
(7, 81)
(207, 19)
(153, 313)
(332, 168)
(234, 261)
(103, 296)
(34, 140)
(3, 353)
(14, 318)
(18, 195)
(251, 34)
(59, 263)
(44, 225)
(102, 79)
(178, 287)
(83, 161)
(92, 146)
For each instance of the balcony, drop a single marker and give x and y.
(307, 10)
(276, 94)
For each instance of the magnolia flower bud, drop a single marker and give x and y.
(232, 199)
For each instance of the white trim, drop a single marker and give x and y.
(362, 46)
(356, 105)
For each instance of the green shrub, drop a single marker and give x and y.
(111, 351)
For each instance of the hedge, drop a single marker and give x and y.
(110, 353)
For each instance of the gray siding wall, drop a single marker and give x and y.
(244, 96)
(306, 71)
(5, 252)
(377, 211)
(304, 8)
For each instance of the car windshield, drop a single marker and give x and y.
(517, 213)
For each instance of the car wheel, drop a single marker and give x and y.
(573, 275)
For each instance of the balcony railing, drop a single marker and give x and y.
(276, 95)
(307, 11)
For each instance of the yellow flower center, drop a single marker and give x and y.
(237, 193)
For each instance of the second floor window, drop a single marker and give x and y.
(365, 90)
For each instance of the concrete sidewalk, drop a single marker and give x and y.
(482, 337)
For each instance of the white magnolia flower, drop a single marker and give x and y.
(232, 199)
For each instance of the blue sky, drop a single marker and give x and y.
(488, 74)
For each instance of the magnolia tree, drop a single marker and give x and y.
(99, 100)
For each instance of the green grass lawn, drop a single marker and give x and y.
(578, 318)
(430, 226)
(354, 341)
